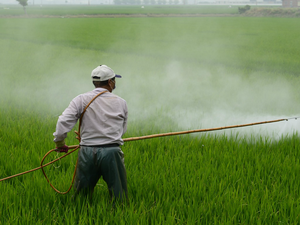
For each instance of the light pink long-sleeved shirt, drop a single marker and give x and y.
(104, 122)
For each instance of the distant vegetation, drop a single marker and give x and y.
(23, 3)
(147, 10)
(273, 12)
(244, 9)
(79, 10)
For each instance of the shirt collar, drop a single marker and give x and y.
(99, 89)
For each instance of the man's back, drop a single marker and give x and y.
(105, 120)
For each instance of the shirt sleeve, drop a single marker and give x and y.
(125, 119)
(67, 121)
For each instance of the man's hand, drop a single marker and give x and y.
(64, 148)
(61, 147)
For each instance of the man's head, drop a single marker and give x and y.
(103, 76)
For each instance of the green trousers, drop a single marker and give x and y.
(94, 162)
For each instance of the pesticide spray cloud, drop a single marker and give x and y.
(196, 99)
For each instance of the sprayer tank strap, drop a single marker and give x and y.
(80, 120)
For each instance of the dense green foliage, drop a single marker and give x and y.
(23, 2)
(171, 67)
(175, 180)
(244, 9)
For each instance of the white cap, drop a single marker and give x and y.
(102, 73)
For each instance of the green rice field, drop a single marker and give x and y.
(178, 73)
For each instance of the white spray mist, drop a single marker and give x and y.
(208, 99)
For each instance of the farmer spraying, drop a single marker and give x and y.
(103, 118)
(102, 123)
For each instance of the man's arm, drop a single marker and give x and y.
(65, 124)
(125, 119)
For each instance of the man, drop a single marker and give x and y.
(103, 124)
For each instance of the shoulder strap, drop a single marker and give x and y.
(78, 132)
